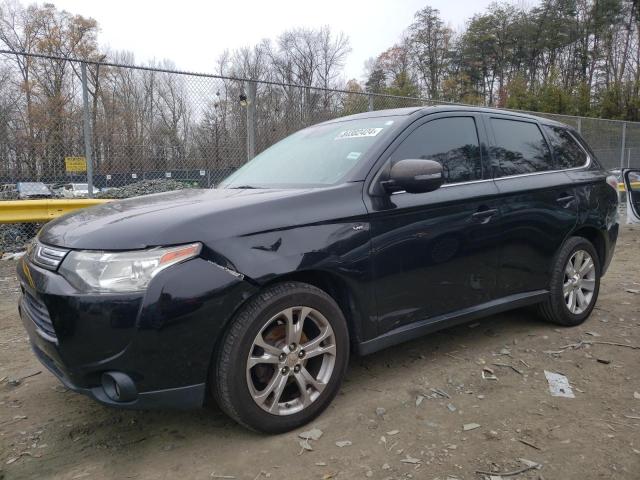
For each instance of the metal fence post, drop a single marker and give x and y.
(370, 102)
(87, 129)
(580, 125)
(251, 120)
(624, 144)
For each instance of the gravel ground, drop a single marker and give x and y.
(387, 422)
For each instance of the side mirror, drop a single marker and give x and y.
(414, 176)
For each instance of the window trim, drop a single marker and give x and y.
(485, 136)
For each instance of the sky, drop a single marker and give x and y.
(192, 34)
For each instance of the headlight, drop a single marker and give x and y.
(91, 271)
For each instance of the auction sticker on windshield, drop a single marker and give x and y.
(359, 133)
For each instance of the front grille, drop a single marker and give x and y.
(47, 257)
(37, 311)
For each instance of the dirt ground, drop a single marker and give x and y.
(48, 432)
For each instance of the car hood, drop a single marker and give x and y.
(173, 218)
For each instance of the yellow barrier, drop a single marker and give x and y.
(17, 211)
(634, 186)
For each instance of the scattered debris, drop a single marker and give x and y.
(344, 443)
(593, 334)
(143, 187)
(419, 400)
(488, 374)
(226, 477)
(582, 343)
(393, 432)
(559, 385)
(470, 426)
(313, 434)
(529, 444)
(412, 460)
(636, 395)
(529, 466)
(321, 464)
(508, 366)
(632, 290)
(451, 407)
(20, 455)
(17, 381)
(602, 360)
(439, 392)
(380, 411)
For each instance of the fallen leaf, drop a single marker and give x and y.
(305, 445)
(313, 434)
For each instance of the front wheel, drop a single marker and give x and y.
(575, 283)
(282, 360)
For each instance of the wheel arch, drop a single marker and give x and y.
(338, 289)
(597, 239)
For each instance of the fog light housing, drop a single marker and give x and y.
(119, 387)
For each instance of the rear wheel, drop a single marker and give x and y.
(575, 283)
(283, 358)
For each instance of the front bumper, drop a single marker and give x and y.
(162, 339)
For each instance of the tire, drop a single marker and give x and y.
(557, 308)
(266, 328)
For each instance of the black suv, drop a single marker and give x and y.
(351, 235)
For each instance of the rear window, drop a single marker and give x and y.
(565, 148)
(520, 148)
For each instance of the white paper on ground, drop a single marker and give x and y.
(559, 385)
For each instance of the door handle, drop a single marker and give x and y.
(484, 215)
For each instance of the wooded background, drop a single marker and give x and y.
(572, 57)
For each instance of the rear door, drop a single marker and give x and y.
(631, 178)
(538, 202)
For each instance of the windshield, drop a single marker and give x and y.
(316, 156)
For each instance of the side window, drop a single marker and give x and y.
(453, 142)
(567, 151)
(520, 148)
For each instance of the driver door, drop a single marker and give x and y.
(437, 252)
(631, 178)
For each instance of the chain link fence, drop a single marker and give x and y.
(68, 128)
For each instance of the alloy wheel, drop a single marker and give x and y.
(291, 360)
(579, 282)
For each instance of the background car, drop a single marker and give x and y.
(33, 190)
(76, 190)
